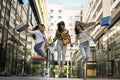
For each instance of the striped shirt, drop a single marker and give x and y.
(62, 35)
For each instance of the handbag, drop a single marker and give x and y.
(66, 37)
(66, 41)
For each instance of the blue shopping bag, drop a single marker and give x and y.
(106, 21)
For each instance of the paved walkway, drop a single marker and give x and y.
(39, 78)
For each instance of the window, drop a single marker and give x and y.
(52, 24)
(51, 17)
(59, 17)
(4, 3)
(2, 20)
(3, 11)
(70, 17)
(77, 16)
(59, 11)
(51, 10)
(70, 24)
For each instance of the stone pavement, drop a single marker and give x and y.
(45, 78)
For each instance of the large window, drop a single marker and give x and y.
(51, 10)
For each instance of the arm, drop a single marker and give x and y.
(92, 25)
(31, 32)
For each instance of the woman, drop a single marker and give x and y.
(61, 33)
(84, 39)
(39, 35)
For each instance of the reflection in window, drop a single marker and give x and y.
(18, 18)
(8, 5)
(3, 11)
(2, 20)
(12, 21)
(24, 16)
(4, 3)
(19, 9)
(12, 11)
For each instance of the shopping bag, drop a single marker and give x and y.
(106, 21)
(21, 27)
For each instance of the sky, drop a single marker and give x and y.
(70, 2)
(25, 1)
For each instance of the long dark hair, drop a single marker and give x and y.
(35, 28)
(59, 26)
(76, 30)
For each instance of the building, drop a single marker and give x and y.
(15, 47)
(108, 45)
(104, 57)
(55, 11)
(58, 12)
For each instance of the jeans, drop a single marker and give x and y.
(38, 49)
(85, 50)
(61, 50)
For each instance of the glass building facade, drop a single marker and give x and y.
(108, 48)
(104, 60)
(15, 45)
(108, 52)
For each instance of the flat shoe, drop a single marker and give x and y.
(38, 58)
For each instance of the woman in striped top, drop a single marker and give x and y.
(61, 34)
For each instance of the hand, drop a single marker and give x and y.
(98, 22)
(54, 40)
(46, 44)
(76, 44)
(51, 43)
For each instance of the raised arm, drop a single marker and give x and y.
(31, 32)
(92, 25)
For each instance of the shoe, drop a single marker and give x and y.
(38, 58)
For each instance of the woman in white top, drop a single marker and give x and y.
(39, 35)
(84, 39)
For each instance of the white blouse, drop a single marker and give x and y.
(40, 37)
(83, 37)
